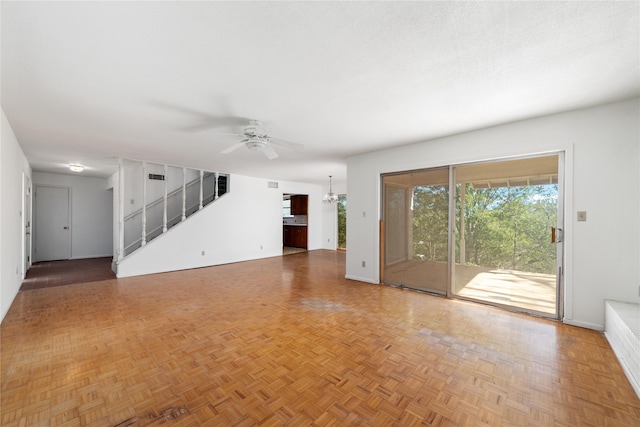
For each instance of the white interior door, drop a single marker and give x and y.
(52, 224)
(27, 225)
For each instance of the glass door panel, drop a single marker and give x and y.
(342, 221)
(415, 218)
(503, 251)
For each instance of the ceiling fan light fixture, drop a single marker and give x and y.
(330, 197)
(76, 168)
(256, 144)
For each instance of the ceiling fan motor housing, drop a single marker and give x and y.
(256, 144)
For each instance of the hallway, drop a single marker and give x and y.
(48, 274)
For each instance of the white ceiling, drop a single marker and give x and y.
(89, 82)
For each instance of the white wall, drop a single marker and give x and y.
(91, 213)
(244, 224)
(13, 165)
(602, 178)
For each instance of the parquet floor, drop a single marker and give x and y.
(287, 341)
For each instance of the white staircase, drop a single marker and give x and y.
(153, 198)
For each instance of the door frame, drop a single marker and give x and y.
(564, 156)
(27, 224)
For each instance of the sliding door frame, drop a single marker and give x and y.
(560, 224)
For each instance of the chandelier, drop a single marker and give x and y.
(330, 197)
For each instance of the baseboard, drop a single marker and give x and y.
(361, 279)
(594, 326)
(92, 256)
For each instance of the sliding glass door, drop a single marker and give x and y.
(416, 215)
(505, 213)
(498, 246)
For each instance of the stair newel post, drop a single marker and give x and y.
(120, 253)
(215, 186)
(144, 203)
(184, 194)
(201, 180)
(164, 213)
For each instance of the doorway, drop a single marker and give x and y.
(26, 224)
(52, 219)
(477, 231)
(342, 222)
(294, 223)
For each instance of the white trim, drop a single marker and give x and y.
(120, 250)
(581, 324)
(109, 255)
(361, 279)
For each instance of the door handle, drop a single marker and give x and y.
(65, 227)
(557, 235)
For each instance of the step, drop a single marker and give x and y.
(622, 329)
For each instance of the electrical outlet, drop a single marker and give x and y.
(364, 263)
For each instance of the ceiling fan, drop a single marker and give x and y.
(255, 138)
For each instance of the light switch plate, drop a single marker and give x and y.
(582, 215)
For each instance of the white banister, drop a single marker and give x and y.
(164, 213)
(201, 180)
(184, 194)
(144, 204)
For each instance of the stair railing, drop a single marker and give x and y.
(217, 185)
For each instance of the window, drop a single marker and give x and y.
(286, 208)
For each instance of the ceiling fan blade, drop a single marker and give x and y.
(270, 152)
(233, 147)
(213, 122)
(204, 120)
(283, 143)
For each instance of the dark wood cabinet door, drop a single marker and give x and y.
(303, 237)
(299, 205)
(294, 236)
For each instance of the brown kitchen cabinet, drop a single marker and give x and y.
(294, 236)
(299, 205)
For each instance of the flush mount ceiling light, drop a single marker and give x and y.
(76, 168)
(330, 197)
